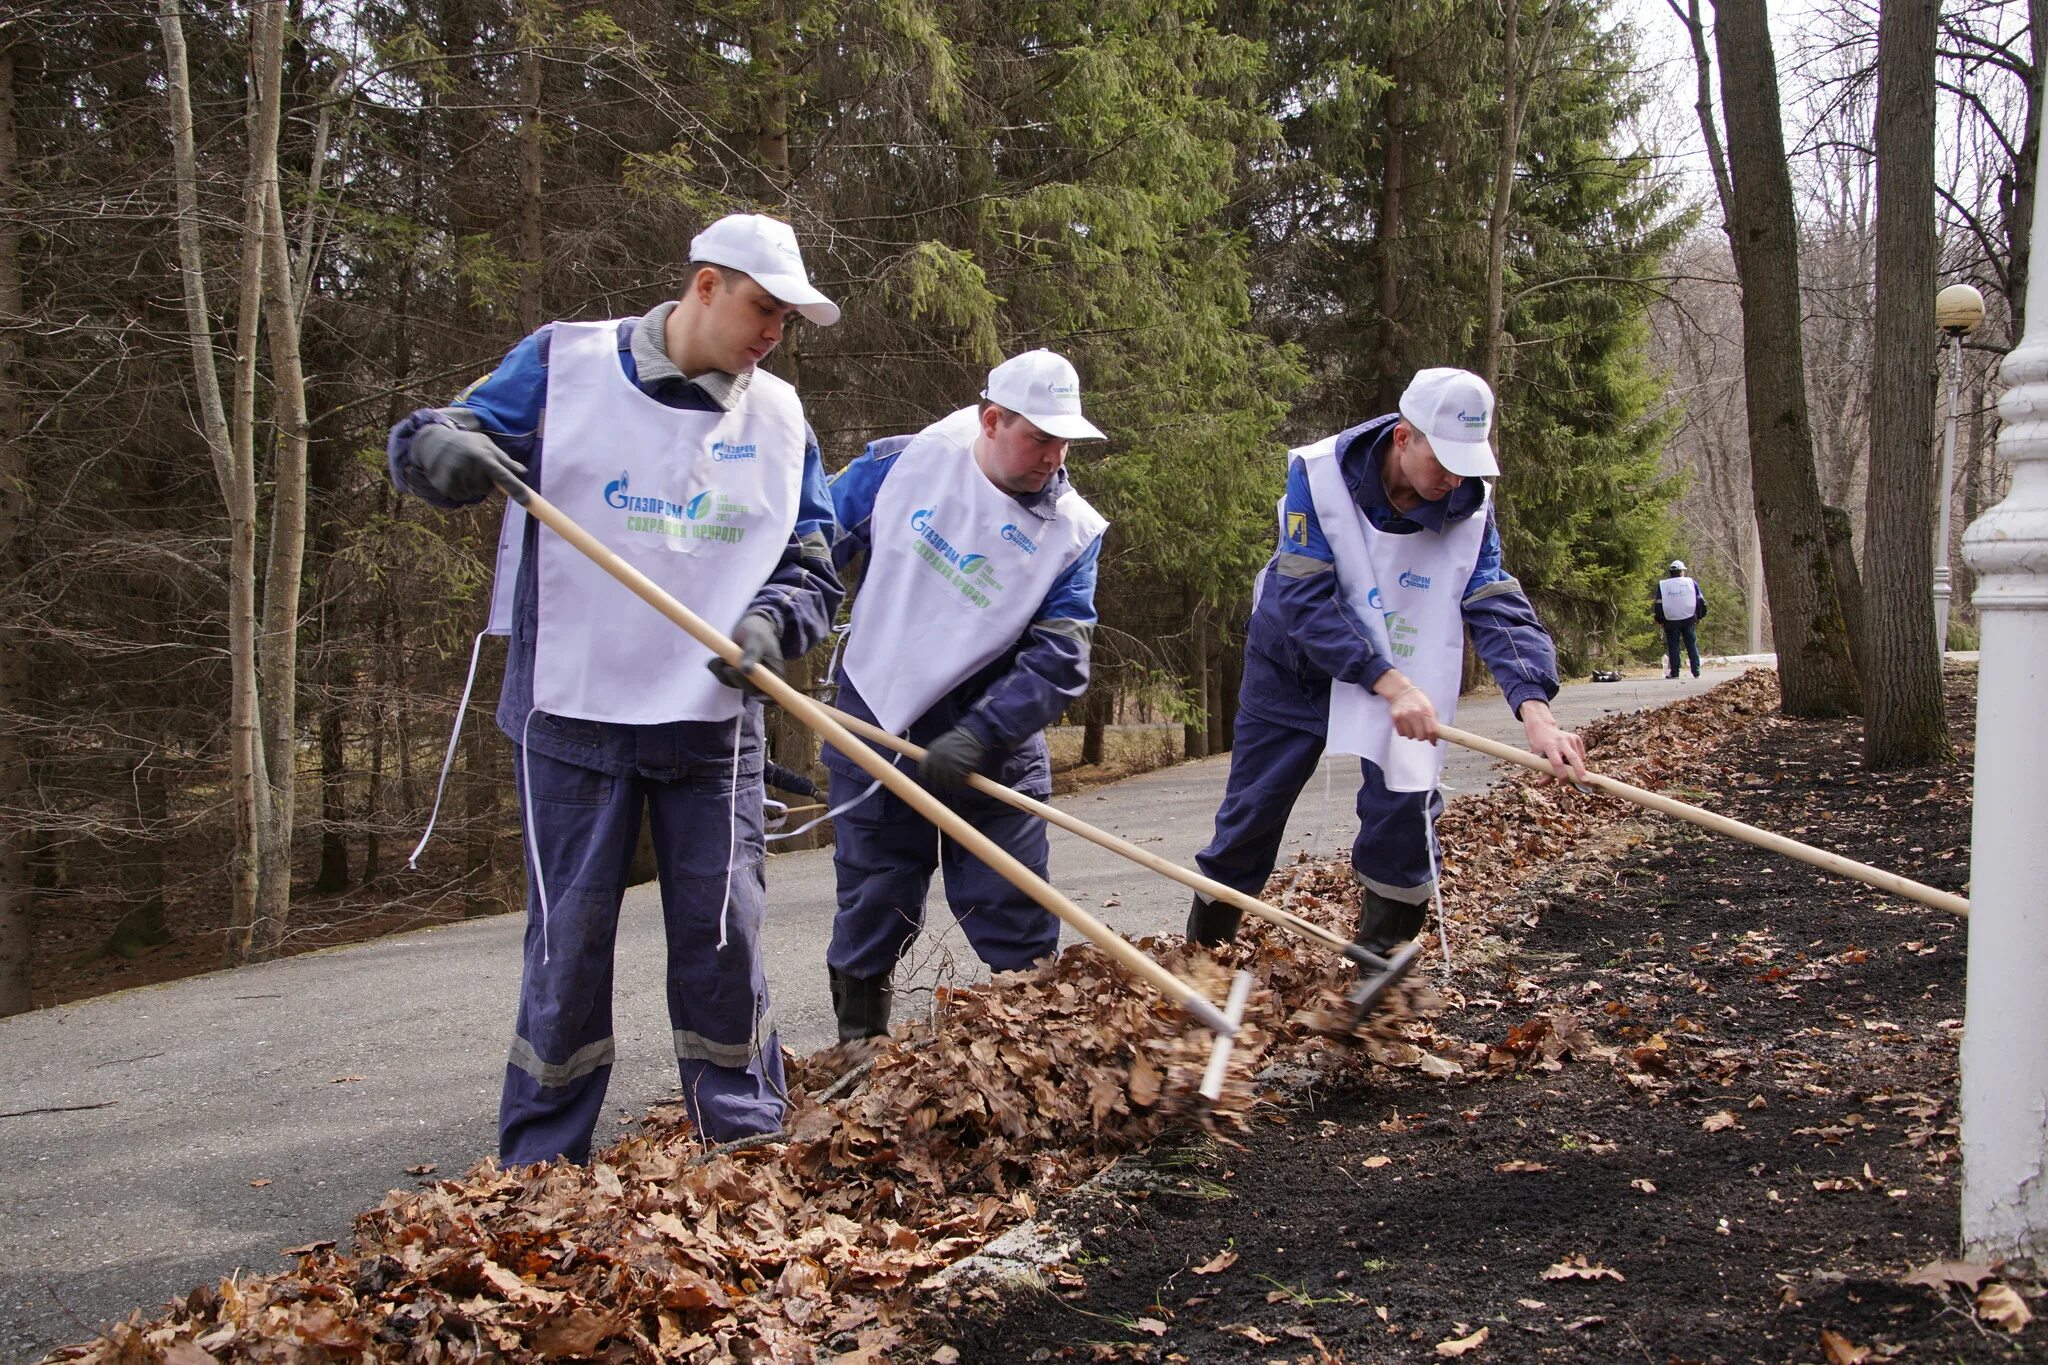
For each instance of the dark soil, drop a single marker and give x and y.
(1755, 1131)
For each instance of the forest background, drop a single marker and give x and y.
(238, 241)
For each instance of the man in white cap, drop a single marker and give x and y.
(664, 440)
(970, 635)
(1387, 556)
(1679, 606)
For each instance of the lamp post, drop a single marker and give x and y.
(1957, 311)
(2005, 1015)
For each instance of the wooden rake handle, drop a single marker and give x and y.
(1053, 815)
(1721, 824)
(902, 784)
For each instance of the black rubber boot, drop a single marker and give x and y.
(1385, 925)
(861, 1004)
(1210, 924)
(1386, 930)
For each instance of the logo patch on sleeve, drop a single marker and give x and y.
(1297, 528)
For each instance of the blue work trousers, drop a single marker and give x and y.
(1675, 634)
(1271, 760)
(586, 824)
(885, 853)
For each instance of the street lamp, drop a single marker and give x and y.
(1957, 311)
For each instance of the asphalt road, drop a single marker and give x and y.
(163, 1137)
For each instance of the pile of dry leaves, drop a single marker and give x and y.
(889, 1167)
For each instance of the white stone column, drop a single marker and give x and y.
(2005, 1030)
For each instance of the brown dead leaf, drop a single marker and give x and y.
(1715, 1123)
(1373, 1163)
(1144, 1083)
(188, 1353)
(1939, 1275)
(1150, 1327)
(258, 1184)
(579, 1334)
(424, 1168)
(516, 1289)
(1462, 1345)
(1218, 1263)
(1520, 1167)
(1841, 1351)
(344, 1080)
(946, 1355)
(1249, 1333)
(1577, 1268)
(1645, 1186)
(2000, 1303)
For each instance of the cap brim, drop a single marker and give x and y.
(1466, 459)
(797, 294)
(1066, 426)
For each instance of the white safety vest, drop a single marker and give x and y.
(1680, 597)
(1408, 591)
(703, 503)
(956, 572)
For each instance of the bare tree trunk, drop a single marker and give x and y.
(1388, 363)
(1516, 88)
(1195, 731)
(1973, 498)
(1848, 581)
(141, 876)
(17, 926)
(230, 441)
(1219, 714)
(791, 743)
(1907, 719)
(1815, 673)
(333, 874)
(1703, 107)
(2018, 193)
(284, 574)
(1753, 588)
(1094, 724)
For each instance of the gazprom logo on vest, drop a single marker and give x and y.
(921, 522)
(615, 495)
(1410, 579)
(1019, 539)
(724, 451)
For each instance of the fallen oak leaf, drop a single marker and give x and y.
(424, 1168)
(1938, 1275)
(1721, 1122)
(1249, 1333)
(1520, 1167)
(1578, 1268)
(1463, 1345)
(1841, 1351)
(1218, 1263)
(2001, 1304)
(1144, 1083)
(1150, 1326)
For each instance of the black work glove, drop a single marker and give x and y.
(461, 465)
(951, 759)
(760, 643)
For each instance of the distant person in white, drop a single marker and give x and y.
(1679, 606)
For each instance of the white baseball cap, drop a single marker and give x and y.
(1454, 409)
(764, 248)
(1678, 566)
(1044, 390)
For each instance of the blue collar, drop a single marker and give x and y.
(1360, 453)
